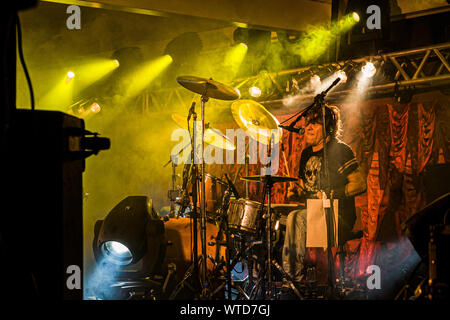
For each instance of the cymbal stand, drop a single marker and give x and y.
(192, 271)
(223, 228)
(265, 276)
(205, 290)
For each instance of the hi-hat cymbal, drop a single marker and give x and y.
(212, 136)
(270, 178)
(257, 122)
(208, 87)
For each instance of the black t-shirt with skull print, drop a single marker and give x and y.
(341, 162)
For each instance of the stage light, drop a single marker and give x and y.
(368, 70)
(234, 57)
(254, 92)
(84, 108)
(129, 232)
(342, 75)
(81, 110)
(95, 107)
(70, 76)
(116, 253)
(317, 39)
(60, 95)
(143, 76)
(92, 70)
(355, 16)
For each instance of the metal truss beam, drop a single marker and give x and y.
(420, 68)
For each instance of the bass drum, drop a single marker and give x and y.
(179, 250)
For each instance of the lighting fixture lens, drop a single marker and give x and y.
(341, 74)
(355, 16)
(255, 92)
(117, 253)
(116, 62)
(368, 70)
(95, 107)
(70, 75)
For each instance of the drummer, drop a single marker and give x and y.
(345, 178)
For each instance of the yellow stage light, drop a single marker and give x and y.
(70, 76)
(140, 79)
(317, 39)
(355, 16)
(93, 70)
(95, 107)
(60, 96)
(234, 58)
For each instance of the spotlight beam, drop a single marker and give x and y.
(141, 78)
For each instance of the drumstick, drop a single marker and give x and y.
(286, 166)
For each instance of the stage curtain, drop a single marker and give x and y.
(393, 143)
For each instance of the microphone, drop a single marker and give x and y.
(293, 129)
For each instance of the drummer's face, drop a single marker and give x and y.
(313, 134)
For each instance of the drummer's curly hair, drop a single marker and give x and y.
(333, 122)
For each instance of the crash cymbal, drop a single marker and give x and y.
(272, 179)
(256, 121)
(208, 87)
(212, 136)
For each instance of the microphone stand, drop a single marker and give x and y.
(319, 101)
(329, 214)
(193, 270)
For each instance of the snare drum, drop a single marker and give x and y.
(243, 216)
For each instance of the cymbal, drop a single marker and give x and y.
(208, 87)
(272, 179)
(212, 136)
(257, 122)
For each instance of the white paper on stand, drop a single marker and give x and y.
(316, 226)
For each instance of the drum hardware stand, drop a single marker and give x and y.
(193, 268)
(267, 237)
(189, 273)
(288, 278)
(223, 226)
(204, 99)
(174, 193)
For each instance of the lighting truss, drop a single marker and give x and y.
(421, 68)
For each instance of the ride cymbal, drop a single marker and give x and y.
(208, 87)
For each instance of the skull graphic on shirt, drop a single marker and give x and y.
(312, 174)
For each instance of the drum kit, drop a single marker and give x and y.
(246, 228)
